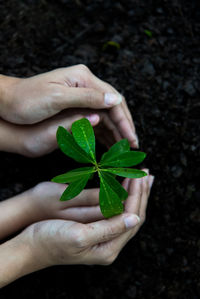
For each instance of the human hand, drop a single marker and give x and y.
(40, 139)
(45, 204)
(31, 100)
(42, 202)
(54, 242)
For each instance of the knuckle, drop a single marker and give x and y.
(111, 232)
(57, 91)
(109, 259)
(83, 68)
(79, 238)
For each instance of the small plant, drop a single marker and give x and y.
(80, 146)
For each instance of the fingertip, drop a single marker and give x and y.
(135, 141)
(131, 220)
(151, 180)
(112, 99)
(93, 119)
(146, 170)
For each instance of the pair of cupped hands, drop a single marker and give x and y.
(72, 232)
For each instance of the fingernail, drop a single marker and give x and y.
(93, 118)
(131, 221)
(151, 180)
(111, 99)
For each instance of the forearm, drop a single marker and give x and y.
(17, 259)
(6, 89)
(11, 137)
(17, 213)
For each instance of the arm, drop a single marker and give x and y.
(16, 213)
(42, 202)
(16, 260)
(10, 137)
(6, 89)
(61, 242)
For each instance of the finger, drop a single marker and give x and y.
(100, 119)
(132, 204)
(112, 133)
(82, 214)
(88, 197)
(129, 116)
(86, 98)
(104, 230)
(119, 242)
(126, 183)
(147, 184)
(108, 124)
(120, 116)
(67, 123)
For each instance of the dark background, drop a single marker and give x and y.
(159, 76)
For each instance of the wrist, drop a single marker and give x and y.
(17, 258)
(18, 212)
(6, 93)
(12, 137)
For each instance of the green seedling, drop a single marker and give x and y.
(80, 146)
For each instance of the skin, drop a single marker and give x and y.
(33, 100)
(62, 233)
(57, 232)
(40, 139)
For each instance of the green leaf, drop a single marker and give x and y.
(110, 203)
(115, 185)
(126, 159)
(126, 172)
(148, 33)
(70, 148)
(116, 149)
(75, 188)
(73, 175)
(83, 134)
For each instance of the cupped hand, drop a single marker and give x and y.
(44, 201)
(54, 242)
(32, 100)
(40, 139)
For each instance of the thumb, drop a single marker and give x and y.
(105, 230)
(89, 98)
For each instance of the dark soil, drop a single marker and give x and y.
(159, 76)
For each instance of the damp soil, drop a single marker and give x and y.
(156, 67)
